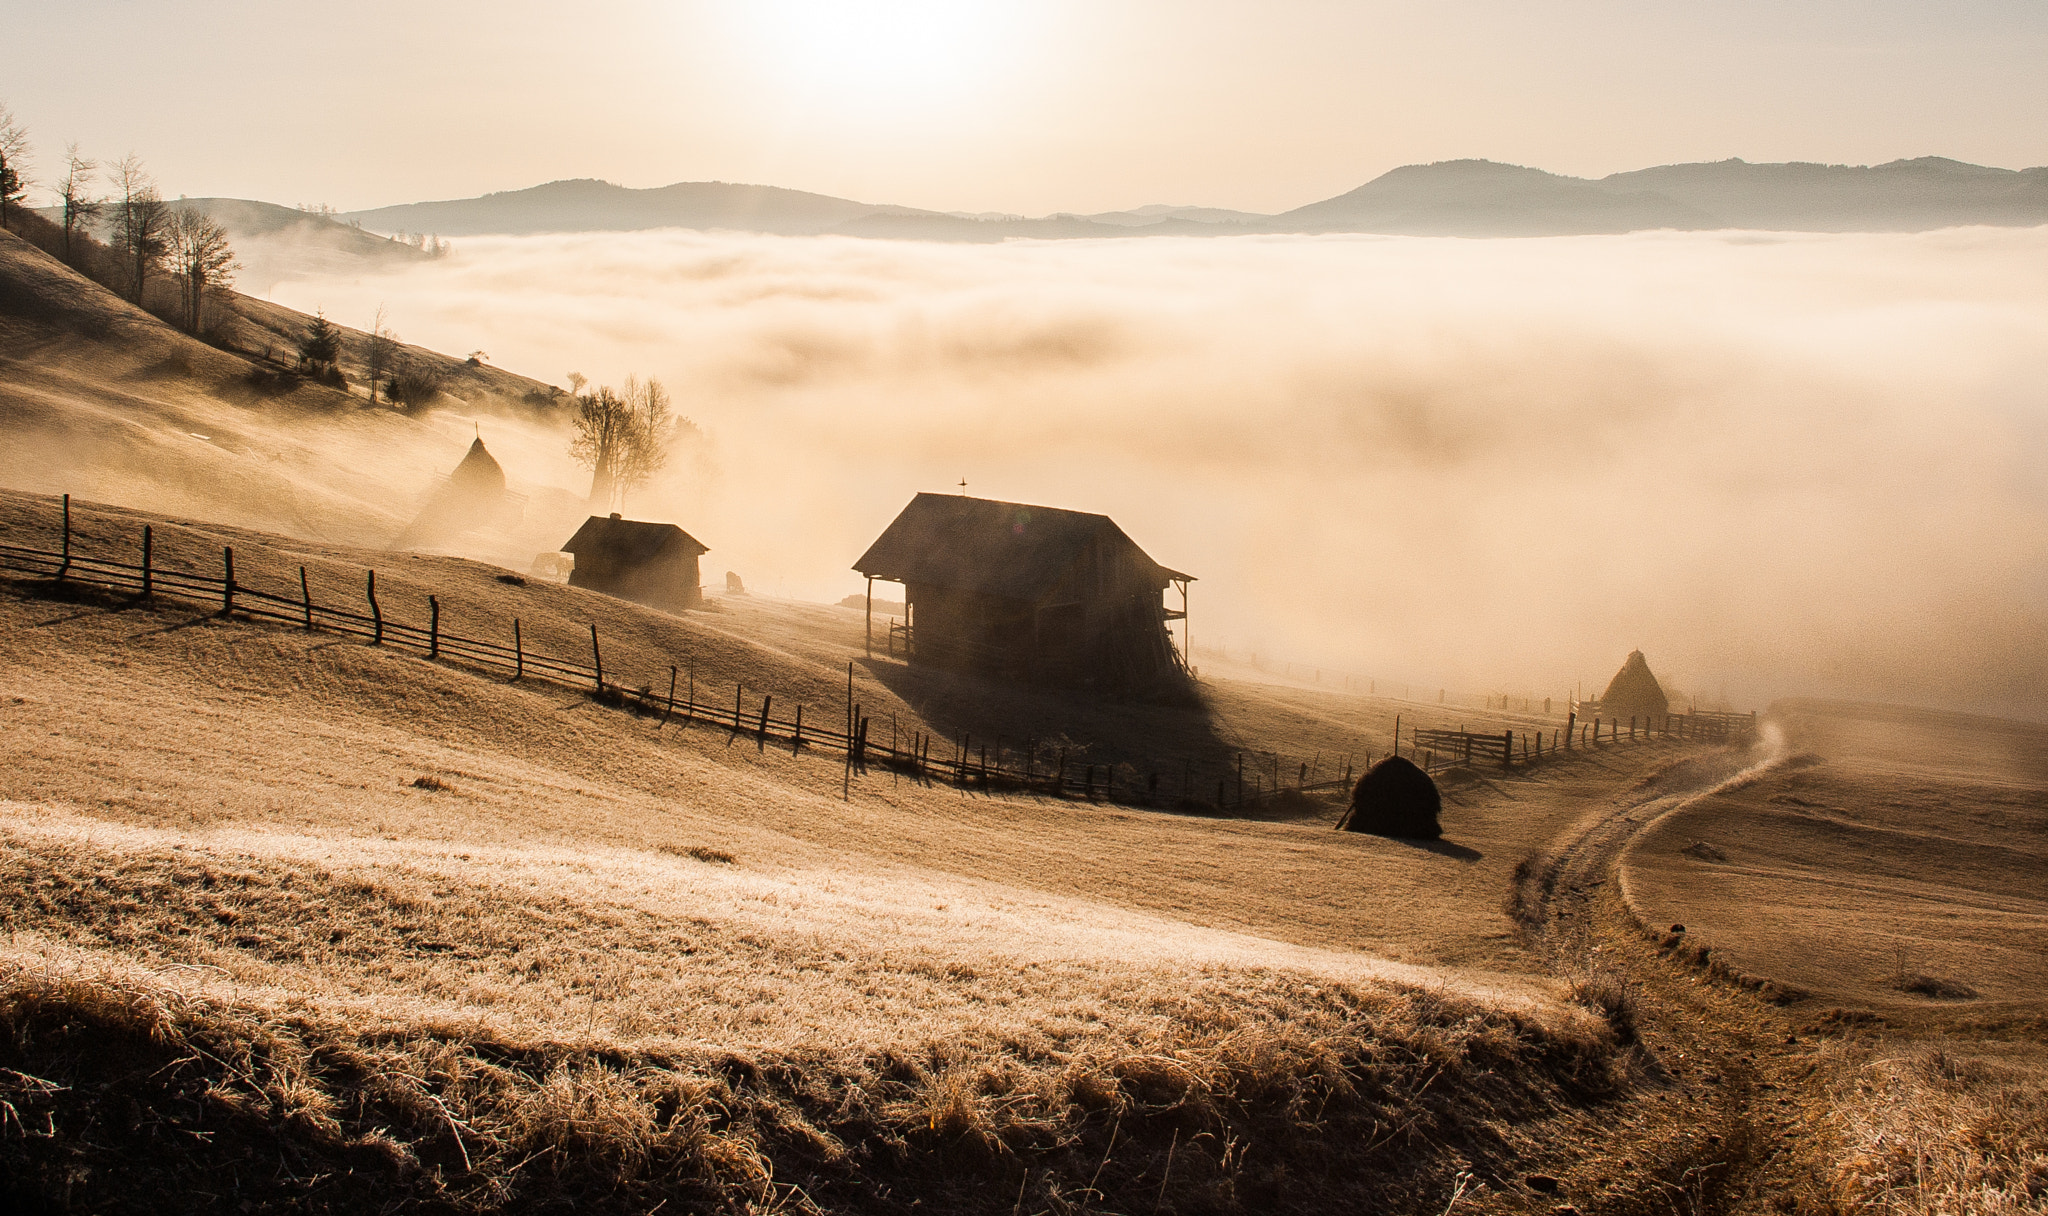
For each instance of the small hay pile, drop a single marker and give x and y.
(1395, 798)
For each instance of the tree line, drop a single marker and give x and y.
(174, 261)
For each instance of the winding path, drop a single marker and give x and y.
(1719, 1078)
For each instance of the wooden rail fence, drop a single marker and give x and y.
(973, 762)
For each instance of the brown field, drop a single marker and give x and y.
(299, 922)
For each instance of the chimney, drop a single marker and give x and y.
(615, 515)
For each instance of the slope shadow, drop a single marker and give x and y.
(1178, 745)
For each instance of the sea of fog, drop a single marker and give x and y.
(1779, 464)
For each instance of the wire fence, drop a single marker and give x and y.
(1243, 779)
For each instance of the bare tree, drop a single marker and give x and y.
(201, 261)
(647, 437)
(80, 208)
(141, 220)
(622, 437)
(416, 382)
(576, 382)
(602, 421)
(14, 179)
(380, 351)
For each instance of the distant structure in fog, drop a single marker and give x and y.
(648, 563)
(473, 497)
(1029, 593)
(1632, 692)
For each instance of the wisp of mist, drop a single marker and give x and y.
(1776, 463)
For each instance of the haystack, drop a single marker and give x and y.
(1634, 691)
(473, 498)
(1395, 798)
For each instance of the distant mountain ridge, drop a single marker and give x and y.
(1476, 198)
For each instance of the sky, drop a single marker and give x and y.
(1026, 106)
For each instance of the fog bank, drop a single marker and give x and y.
(1777, 464)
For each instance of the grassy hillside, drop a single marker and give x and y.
(490, 944)
(102, 399)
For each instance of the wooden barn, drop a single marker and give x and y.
(1028, 593)
(648, 563)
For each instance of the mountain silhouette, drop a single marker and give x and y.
(1475, 198)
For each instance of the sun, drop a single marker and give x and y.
(874, 56)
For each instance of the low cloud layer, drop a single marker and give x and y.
(1776, 464)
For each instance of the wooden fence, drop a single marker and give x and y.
(1438, 750)
(982, 762)
(969, 761)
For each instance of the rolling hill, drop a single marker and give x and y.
(1474, 198)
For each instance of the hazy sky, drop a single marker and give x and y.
(1025, 105)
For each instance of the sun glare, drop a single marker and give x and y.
(878, 55)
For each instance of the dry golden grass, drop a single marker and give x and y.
(495, 945)
(1946, 1128)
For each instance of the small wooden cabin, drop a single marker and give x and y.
(648, 563)
(1029, 593)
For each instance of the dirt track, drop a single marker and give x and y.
(1721, 1080)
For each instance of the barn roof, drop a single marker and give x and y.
(630, 540)
(1006, 549)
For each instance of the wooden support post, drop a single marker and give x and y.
(148, 544)
(761, 732)
(1397, 734)
(227, 579)
(1507, 754)
(518, 651)
(64, 567)
(433, 627)
(596, 658)
(376, 613)
(668, 713)
(1571, 726)
(306, 598)
(796, 744)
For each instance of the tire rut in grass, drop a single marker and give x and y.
(1705, 1128)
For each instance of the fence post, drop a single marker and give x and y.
(227, 582)
(666, 714)
(1507, 755)
(796, 745)
(65, 567)
(1571, 727)
(518, 651)
(148, 542)
(597, 658)
(433, 627)
(306, 597)
(1397, 734)
(761, 733)
(376, 613)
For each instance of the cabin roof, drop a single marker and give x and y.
(631, 540)
(1007, 549)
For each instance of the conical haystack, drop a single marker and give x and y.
(1395, 798)
(1634, 691)
(479, 472)
(473, 497)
